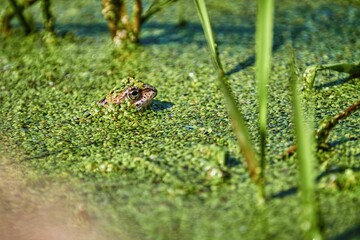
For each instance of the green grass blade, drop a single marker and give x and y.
(264, 36)
(241, 132)
(306, 157)
(205, 22)
(237, 120)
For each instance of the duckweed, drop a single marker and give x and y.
(178, 162)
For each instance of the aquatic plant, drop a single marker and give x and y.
(306, 160)
(237, 120)
(124, 28)
(263, 63)
(310, 73)
(264, 36)
(325, 127)
(17, 9)
(120, 25)
(329, 123)
(303, 131)
(92, 150)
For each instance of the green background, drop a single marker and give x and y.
(174, 171)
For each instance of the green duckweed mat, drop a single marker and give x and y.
(174, 171)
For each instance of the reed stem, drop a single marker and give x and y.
(264, 36)
(305, 147)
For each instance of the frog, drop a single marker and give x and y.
(132, 92)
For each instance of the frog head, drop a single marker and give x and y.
(133, 92)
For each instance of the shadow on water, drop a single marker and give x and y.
(285, 193)
(278, 41)
(158, 105)
(350, 233)
(293, 190)
(231, 32)
(190, 33)
(337, 82)
(83, 29)
(242, 65)
(156, 33)
(342, 141)
(231, 161)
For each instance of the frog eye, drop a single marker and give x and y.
(134, 94)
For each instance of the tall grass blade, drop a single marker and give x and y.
(237, 120)
(241, 132)
(205, 22)
(264, 39)
(305, 140)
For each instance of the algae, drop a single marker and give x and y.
(174, 171)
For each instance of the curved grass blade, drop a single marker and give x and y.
(237, 120)
(205, 22)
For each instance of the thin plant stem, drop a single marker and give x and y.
(264, 36)
(306, 157)
(48, 17)
(209, 35)
(137, 11)
(325, 127)
(110, 12)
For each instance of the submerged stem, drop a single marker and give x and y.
(322, 133)
(325, 127)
